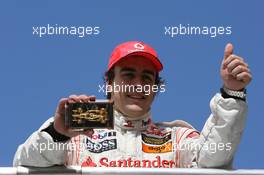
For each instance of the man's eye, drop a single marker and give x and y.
(128, 75)
(148, 78)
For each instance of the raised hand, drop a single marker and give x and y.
(234, 70)
(59, 121)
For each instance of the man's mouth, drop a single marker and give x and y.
(136, 97)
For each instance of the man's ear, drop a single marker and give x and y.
(154, 96)
(109, 89)
(108, 86)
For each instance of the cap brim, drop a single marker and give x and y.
(156, 62)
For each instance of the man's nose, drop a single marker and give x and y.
(137, 81)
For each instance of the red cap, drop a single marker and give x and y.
(134, 48)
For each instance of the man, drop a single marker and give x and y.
(135, 140)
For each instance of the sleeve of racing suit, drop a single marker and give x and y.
(216, 145)
(39, 150)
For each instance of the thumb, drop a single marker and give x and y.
(228, 50)
(61, 105)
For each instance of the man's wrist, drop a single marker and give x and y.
(227, 93)
(56, 136)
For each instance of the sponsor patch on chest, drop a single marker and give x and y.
(156, 162)
(103, 135)
(156, 143)
(155, 140)
(98, 147)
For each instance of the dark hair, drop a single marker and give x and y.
(110, 75)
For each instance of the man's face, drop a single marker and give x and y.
(137, 72)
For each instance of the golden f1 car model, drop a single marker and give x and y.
(81, 116)
(93, 115)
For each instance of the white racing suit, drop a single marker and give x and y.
(138, 142)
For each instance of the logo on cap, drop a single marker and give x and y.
(139, 46)
(136, 48)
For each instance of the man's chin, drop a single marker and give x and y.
(134, 111)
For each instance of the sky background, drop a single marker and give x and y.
(36, 72)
